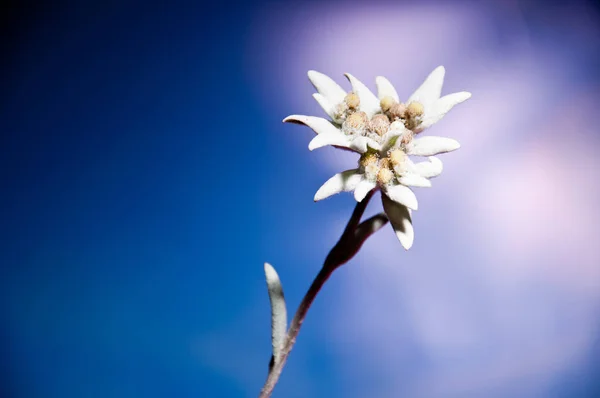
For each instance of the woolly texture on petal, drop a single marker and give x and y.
(362, 144)
(440, 107)
(368, 101)
(327, 106)
(391, 137)
(429, 169)
(321, 140)
(414, 180)
(386, 89)
(327, 87)
(342, 182)
(402, 194)
(357, 144)
(362, 189)
(431, 89)
(318, 124)
(431, 145)
(401, 222)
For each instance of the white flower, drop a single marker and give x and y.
(426, 97)
(383, 132)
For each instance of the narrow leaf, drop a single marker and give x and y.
(369, 227)
(278, 310)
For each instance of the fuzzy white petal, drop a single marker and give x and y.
(358, 144)
(441, 107)
(431, 145)
(414, 180)
(391, 137)
(327, 106)
(400, 219)
(386, 89)
(362, 189)
(342, 182)
(402, 194)
(318, 124)
(431, 89)
(361, 144)
(429, 169)
(368, 101)
(328, 88)
(321, 140)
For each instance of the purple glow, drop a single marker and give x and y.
(500, 294)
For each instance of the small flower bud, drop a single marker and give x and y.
(355, 123)
(400, 169)
(371, 171)
(386, 103)
(415, 109)
(397, 156)
(385, 176)
(368, 159)
(406, 138)
(397, 125)
(397, 111)
(385, 163)
(380, 124)
(339, 114)
(352, 101)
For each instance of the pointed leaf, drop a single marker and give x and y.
(278, 310)
(369, 227)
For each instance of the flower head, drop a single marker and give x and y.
(383, 131)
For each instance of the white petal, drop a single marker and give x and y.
(429, 169)
(386, 89)
(414, 180)
(358, 144)
(441, 107)
(325, 85)
(321, 140)
(341, 182)
(362, 189)
(391, 137)
(430, 145)
(326, 105)
(431, 89)
(361, 144)
(400, 220)
(368, 101)
(403, 195)
(318, 124)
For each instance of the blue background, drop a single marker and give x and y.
(130, 205)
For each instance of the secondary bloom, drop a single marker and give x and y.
(383, 131)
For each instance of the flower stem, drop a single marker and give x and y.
(343, 251)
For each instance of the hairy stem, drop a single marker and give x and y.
(343, 251)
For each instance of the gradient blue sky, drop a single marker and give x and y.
(147, 176)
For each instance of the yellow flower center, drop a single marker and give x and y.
(397, 111)
(397, 156)
(386, 103)
(368, 158)
(385, 176)
(415, 109)
(355, 123)
(380, 124)
(352, 100)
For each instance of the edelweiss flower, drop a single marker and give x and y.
(383, 132)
